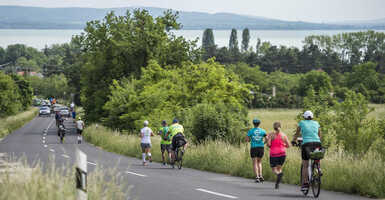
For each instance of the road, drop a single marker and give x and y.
(149, 182)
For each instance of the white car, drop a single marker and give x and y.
(44, 111)
(65, 112)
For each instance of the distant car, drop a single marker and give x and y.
(44, 111)
(65, 112)
(56, 107)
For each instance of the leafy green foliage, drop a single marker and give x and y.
(9, 96)
(119, 46)
(161, 94)
(25, 90)
(316, 80)
(245, 40)
(208, 44)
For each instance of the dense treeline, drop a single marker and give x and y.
(15, 94)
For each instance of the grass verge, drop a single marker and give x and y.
(363, 175)
(11, 123)
(25, 183)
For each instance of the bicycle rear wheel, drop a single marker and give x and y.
(305, 192)
(180, 159)
(316, 179)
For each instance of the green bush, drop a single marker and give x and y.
(9, 96)
(215, 121)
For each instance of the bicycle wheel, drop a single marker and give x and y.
(180, 160)
(316, 179)
(305, 192)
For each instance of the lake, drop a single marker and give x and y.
(40, 38)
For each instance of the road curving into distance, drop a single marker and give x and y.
(38, 142)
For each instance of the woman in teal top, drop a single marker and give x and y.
(311, 136)
(255, 137)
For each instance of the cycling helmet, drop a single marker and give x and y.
(256, 121)
(164, 122)
(145, 123)
(175, 121)
(308, 114)
(79, 118)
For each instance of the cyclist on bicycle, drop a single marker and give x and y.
(177, 138)
(311, 135)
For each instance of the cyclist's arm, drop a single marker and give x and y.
(268, 140)
(297, 134)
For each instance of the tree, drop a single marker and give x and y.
(245, 39)
(2, 55)
(25, 91)
(9, 96)
(15, 51)
(317, 80)
(208, 44)
(233, 43)
(119, 46)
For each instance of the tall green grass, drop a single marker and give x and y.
(363, 175)
(24, 183)
(11, 123)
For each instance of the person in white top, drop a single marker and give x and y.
(145, 135)
(79, 128)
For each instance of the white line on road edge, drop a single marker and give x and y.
(65, 156)
(91, 163)
(52, 150)
(45, 146)
(43, 141)
(133, 173)
(43, 138)
(216, 193)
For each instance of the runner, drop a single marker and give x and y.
(165, 142)
(145, 134)
(278, 142)
(79, 128)
(255, 137)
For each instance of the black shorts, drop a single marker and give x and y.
(80, 131)
(307, 148)
(275, 161)
(177, 141)
(164, 147)
(257, 152)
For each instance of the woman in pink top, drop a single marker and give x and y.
(278, 142)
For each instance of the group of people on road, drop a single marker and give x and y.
(79, 124)
(278, 141)
(172, 137)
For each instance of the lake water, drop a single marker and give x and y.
(40, 38)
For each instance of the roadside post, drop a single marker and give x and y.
(81, 175)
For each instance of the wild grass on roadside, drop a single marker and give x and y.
(363, 175)
(11, 123)
(58, 184)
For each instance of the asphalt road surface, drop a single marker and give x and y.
(148, 182)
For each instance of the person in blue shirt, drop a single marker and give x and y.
(255, 136)
(311, 139)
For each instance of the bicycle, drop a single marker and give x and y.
(178, 157)
(61, 134)
(314, 171)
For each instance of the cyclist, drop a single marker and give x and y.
(145, 134)
(177, 138)
(61, 131)
(255, 137)
(311, 135)
(79, 128)
(278, 142)
(57, 118)
(165, 142)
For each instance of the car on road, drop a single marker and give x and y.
(44, 111)
(65, 112)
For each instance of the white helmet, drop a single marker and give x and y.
(308, 114)
(145, 123)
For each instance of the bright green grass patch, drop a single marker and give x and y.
(362, 175)
(11, 123)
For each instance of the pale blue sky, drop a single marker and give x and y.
(304, 10)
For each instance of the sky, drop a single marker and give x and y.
(294, 10)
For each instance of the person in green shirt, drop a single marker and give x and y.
(165, 142)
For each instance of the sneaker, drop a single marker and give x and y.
(279, 177)
(150, 159)
(277, 186)
(164, 164)
(257, 180)
(261, 179)
(144, 163)
(305, 187)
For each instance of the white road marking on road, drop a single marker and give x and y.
(43, 141)
(91, 163)
(216, 193)
(43, 138)
(45, 146)
(133, 173)
(49, 125)
(52, 150)
(65, 156)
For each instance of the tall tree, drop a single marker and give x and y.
(245, 39)
(233, 43)
(208, 44)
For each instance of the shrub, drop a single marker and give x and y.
(9, 96)
(215, 121)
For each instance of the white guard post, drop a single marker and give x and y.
(81, 175)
